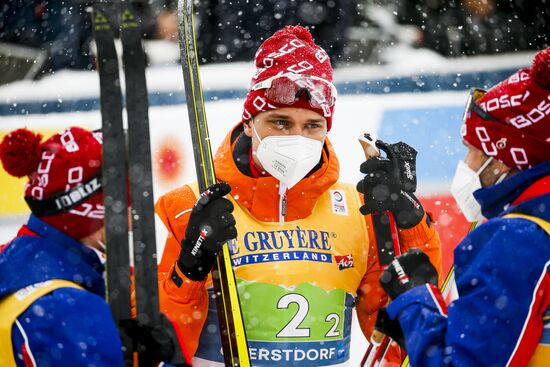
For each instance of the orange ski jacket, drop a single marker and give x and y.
(258, 198)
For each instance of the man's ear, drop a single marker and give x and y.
(247, 128)
(499, 168)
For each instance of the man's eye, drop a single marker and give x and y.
(281, 123)
(313, 126)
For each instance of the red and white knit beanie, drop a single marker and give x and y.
(520, 136)
(64, 187)
(289, 50)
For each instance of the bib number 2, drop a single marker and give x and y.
(292, 329)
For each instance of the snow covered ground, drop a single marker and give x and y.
(418, 100)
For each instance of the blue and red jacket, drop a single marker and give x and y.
(503, 281)
(69, 326)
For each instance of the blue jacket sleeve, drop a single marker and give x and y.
(68, 327)
(422, 316)
(503, 285)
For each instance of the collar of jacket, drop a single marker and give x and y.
(260, 196)
(496, 200)
(51, 254)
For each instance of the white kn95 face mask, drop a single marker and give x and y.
(288, 158)
(465, 182)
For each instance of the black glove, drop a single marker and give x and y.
(155, 343)
(210, 225)
(389, 184)
(390, 327)
(407, 271)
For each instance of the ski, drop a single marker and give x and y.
(139, 167)
(126, 159)
(105, 26)
(232, 331)
(140, 171)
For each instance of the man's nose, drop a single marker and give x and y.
(297, 130)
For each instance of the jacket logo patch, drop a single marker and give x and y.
(28, 290)
(339, 203)
(344, 262)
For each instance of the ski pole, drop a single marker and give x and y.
(232, 331)
(387, 244)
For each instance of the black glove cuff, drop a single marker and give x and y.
(410, 217)
(389, 327)
(407, 271)
(197, 274)
(195, 268)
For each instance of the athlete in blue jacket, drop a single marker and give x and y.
(69, 326)
(52, 287)
(52, 291)
(502, 314)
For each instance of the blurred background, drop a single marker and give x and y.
(403, 70)
(38, 37)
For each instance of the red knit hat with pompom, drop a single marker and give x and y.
(289, 50)
(520, 136)
(65, 163)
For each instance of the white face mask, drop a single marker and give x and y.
(465, 182)
(288, 158)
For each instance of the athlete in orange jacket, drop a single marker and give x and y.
(304, 254)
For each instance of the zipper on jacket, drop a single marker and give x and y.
(282, 202)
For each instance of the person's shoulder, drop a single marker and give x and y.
(79, 327)
(506, 236)
(509, 252)
(16, 252)
(511, 227)
(176, 201)
(181, 193)
(65, 302)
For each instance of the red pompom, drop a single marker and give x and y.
(20, 152)
(540, 72)
(297, 31)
